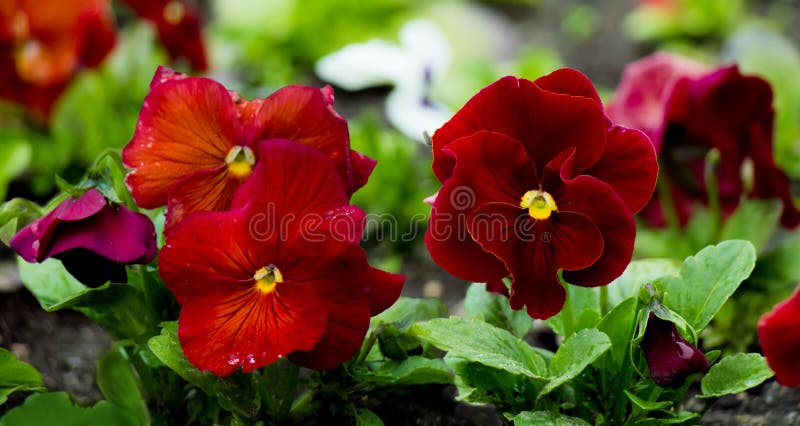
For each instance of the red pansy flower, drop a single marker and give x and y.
(537, 181)
(179, 28)
(195, 141)
(779, 334)
(276, 275)
(93, 238)
(44, 43)
(722, 110)
(670, 357)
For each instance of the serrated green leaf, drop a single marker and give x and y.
(237, 393)
(407, 311)
(118, 384)
(49, 282)
(619, 325)
(734, 374)
(495, 309)
(16, 375)
(56, 409)
(480, 384)
(754, 221)
(577, 353)
(645, 404)
(581, 311)
(414, 370)
(546, 418)
(483, 343)
(707, 280)
(366, 417)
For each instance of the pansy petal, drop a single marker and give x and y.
(543, 121)
(568, 81)
(91, 269)
(449, 242)
(305, 115)
(629, 165)
(601, 204)
(204, 190)
(185, 125)
(779, 334)
(228, 326)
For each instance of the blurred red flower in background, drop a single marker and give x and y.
(687, 112)
(179, 28)
(276, 275)
(44, 43)
(779, 334)
(93, 238)
(536, 181)
(195, 141)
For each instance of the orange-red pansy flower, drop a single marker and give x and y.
(277, 275)
(44, 43)
(194, 144)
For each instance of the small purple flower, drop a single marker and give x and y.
(670, 357)
(93, 238)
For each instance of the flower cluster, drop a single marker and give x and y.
(688, 110)
(538, 184)
(45, 43)
(262, 244)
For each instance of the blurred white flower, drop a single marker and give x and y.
(413, 67)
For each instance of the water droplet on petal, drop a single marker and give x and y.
(251, 359)
(35, 227)
(233, 359)
(280, 356)
(35, 245)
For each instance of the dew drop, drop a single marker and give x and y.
(233, 359)
(280, 356)
(35, 245)
(35, 227)
(251, 359)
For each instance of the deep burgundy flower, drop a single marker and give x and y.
(670, 357)
(537, 181)
(722, 110)
(779, 333)
(179, 28)
(276, 275)
(92, 237)
(44, 43)
(195, 141)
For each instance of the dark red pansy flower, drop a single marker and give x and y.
(537, 181)
(44, 43)
(195, 141)
(279, 274)
(93, 238)
(669, 356)
(779, 334)
(179, 28)
(700, 111)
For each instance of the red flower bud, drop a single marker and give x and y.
(670, 357)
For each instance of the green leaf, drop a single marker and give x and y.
(15, 155)
(495, 309)
(120, 387)
(734, 374)
(407, 311)
(577, 352)
(237, 393)
(414, 370)
(546, 418)
(707, 280)
(618, 325)
(753, 220)
(480, 384)
(645, 404)
(580, 311)
(16, 375)
(366, 417)
(638, 273)
(56, 409)
(49, 282)
(483, 343)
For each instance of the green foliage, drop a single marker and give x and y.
(707, 280)
(56, 409)
(118, 384)
(735, 374)
(17, 376)
(366, 417)
(545, 418)
(580, 311)
(685, 19)
(754, 221)
(15, 157)
(495, 310)
(578, 352)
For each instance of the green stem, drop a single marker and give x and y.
(303, 406)
(668, 204)
(712, 189)
(365, 349)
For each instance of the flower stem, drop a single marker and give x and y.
(712, 190)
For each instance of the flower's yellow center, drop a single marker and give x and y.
(174, 12)
(540, 204)
(240, 160)
(267, 277)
